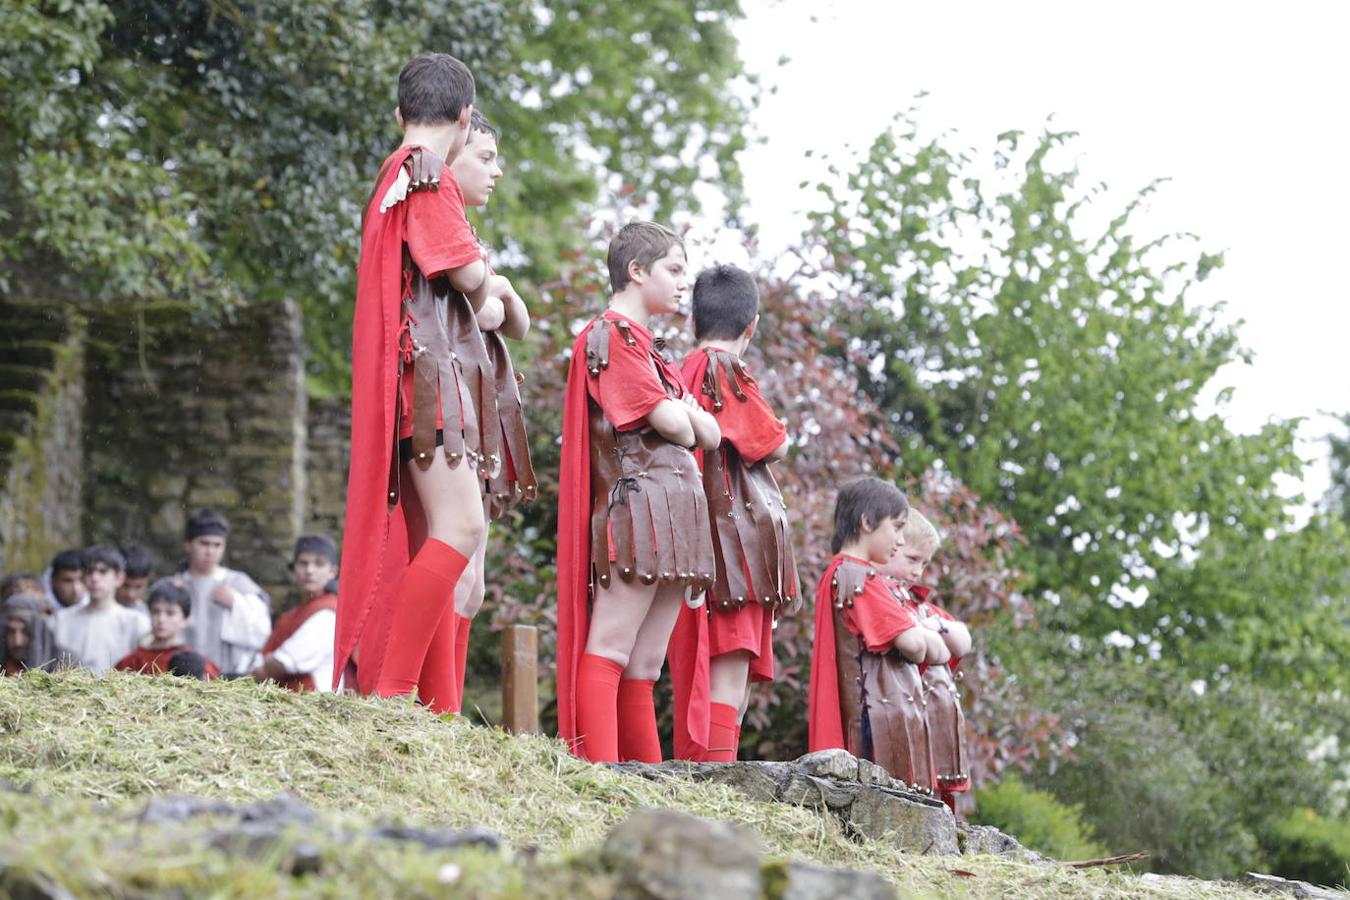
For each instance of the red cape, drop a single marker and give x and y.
(825, 721)
(374, 539)
(574, 537)
(690, 664)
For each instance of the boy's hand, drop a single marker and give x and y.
(491, 316)
(224, 595)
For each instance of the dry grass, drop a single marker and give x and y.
(91, 750)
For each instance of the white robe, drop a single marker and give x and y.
(230, 638)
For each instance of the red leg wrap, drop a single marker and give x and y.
(597, 685)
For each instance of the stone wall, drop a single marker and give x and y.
(183, 415)
(41, 426)
(328, 448)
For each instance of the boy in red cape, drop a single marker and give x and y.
(298, 654)
(946, 722)
(414, 513)
(866, 695)
(476, 170)
(633, 533)
(731, 639)
(170, 607)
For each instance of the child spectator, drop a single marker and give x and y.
(132, 592)
(731, 639)
(633, 531)
(866, 693)
(30, 642)
(230, 619)
(946, 722)
(170, 608)
(299, 653)
(65, 580)
(100, 632)
(21, 583)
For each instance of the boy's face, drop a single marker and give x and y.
(167, 621)
(312, 573)
(204, 553)
(665, 284)
(102, 581)
(68, 586)
(882, 543)
(908, 564)
(477, 168)
(132, 590)
(16, 638)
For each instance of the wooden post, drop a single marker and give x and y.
(520, 679)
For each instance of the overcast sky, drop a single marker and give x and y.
(1243, 106)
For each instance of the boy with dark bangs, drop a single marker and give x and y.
(100, 632)
(298, 654)
(170, 607)
(731, 640)
(866, 694)
(633, 532)
(421, 391)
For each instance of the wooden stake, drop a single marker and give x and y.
(520, 679)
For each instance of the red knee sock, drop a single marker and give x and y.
(462, 626)
(597, 686)
(639, 740)
(736, 750)
(424, 598)
(436, 683)
(721, 733)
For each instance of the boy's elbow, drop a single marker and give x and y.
(781, 451)
(468, 277)
(912, 646)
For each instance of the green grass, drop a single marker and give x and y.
(85, 754)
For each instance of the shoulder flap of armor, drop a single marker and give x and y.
(597, 346)
(424, 170)
(850, 578)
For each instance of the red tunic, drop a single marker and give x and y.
(289, 623)
(155, 661)
(626, 391)
(375, 539)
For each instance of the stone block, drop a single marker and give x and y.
(808, 882)
(810, 791)
(830, 764)
(911, 826)
(675, 856)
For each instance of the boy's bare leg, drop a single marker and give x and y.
(639, 739)
(447, 530)
(729, 690)
(653, 637)
(616, 618)
(469, 592)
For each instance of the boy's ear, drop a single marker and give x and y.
(635, 271)
(398, 117)
(865, 524)
(466, 117)
(750, 331)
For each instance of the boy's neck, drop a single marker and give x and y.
(439, 139)
(734, 347)
(208, 572)
(855, 550)
(628, 302)
(101, 603)
(175, 641)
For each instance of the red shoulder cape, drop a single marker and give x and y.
(374, 539)
(825, 722)
(574, 537)
(690, 665)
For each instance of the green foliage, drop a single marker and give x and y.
(1310, 847)
(1338, 498)
(1052, 365)
(1037, 819)
(218, 152)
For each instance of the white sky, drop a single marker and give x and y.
(1236, 103)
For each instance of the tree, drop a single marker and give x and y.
(218, 152)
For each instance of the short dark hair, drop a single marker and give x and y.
(726, 301)
(15, 582)
(645, 242)
(188, 664)
(318, 544)
(206, 522)
(869, 498)
(434, 88)
(174, 590)
(104, 554)
(138, 560)
(68, 560)
(479, 122)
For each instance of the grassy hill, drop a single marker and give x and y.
(83, 755)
